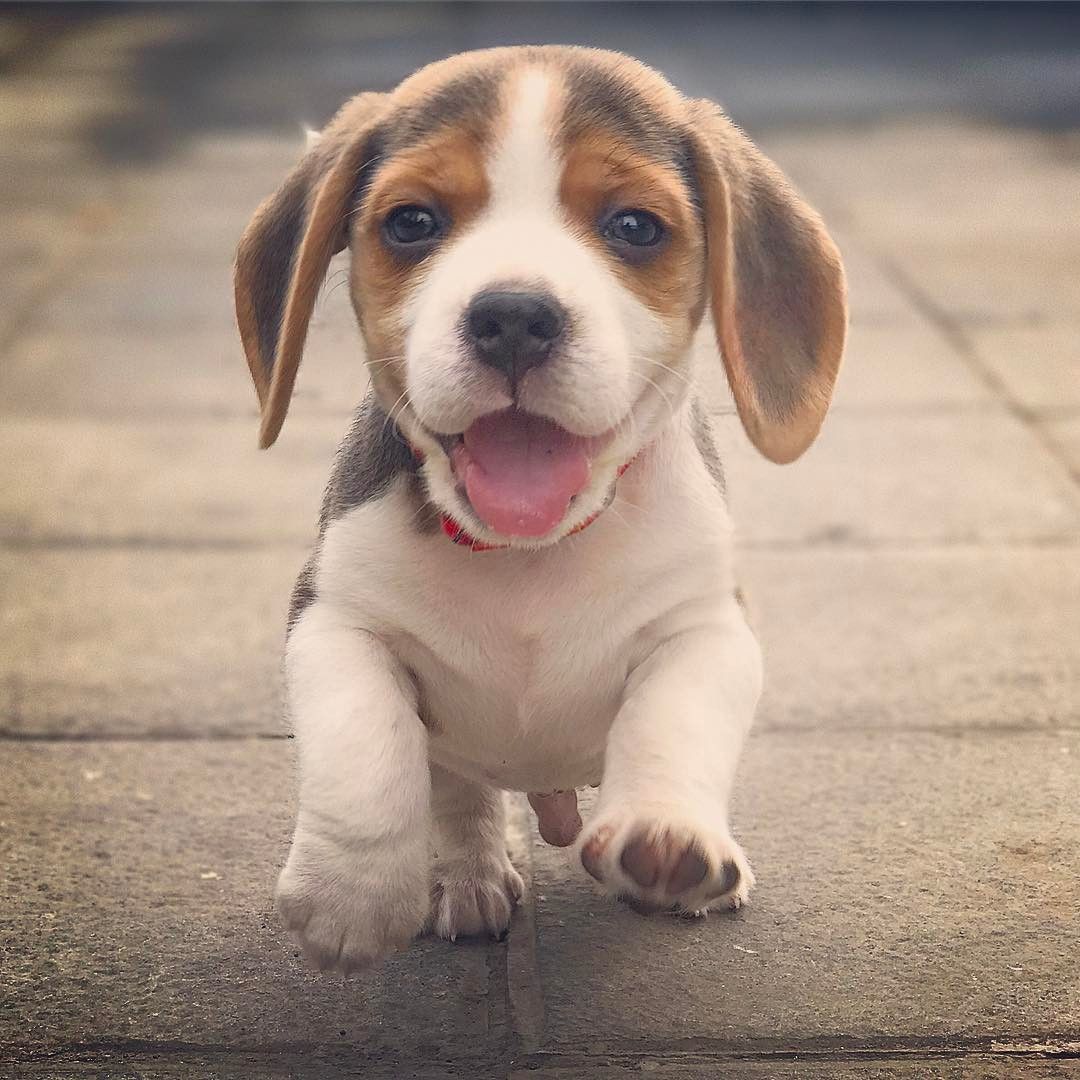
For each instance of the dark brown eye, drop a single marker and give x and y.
(636, 228)
(411, 225)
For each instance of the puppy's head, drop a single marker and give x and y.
(535, 235)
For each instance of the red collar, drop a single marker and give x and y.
(457, 532)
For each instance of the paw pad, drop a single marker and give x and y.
(653, 867)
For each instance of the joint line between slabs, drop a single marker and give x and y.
(953, 333)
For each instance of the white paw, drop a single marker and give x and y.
(662, 862)
(474, 897)
(349, 907)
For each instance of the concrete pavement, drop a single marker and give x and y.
(909, 797)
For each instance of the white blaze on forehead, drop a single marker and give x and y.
(524, 239)
(525, 165)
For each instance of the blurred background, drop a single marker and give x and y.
(915, 578)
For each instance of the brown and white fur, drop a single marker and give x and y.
(425, 679)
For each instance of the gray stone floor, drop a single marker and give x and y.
(910, 795)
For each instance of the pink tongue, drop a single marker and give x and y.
(520, 471)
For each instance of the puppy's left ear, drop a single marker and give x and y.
(776, 286)
(285, 251)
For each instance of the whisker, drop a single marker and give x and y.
(426, 505)
(390, 418)
(333, 289)
(337, 278)
(631, 419)
(359, 174)
(667, 400)
(666, 367)
(618, 517)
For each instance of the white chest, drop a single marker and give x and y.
(521, 659)
(521, 673)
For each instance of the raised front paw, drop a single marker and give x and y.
(350, 907)
(663, 864)
(474, 897)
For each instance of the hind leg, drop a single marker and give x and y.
(476, 886)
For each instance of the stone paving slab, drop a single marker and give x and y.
(1038, 365)
(143, 641)
(951, 477)
(312, 1066)
(184, 1064)
(141, 876)
(56, 105)
(81, 375)
(195, 208)
(997, 281)
(189, 641)
(59, 370)
(170, 481)
(148, 374)
(948, 182)
(46, 191)
(222, 178)
(916, 888)
(900, 366)
(959, 638)
(1065, 435)
(976, 219)
(190, 231)
(137, 832)
(874, 297)
(803, 1067)
(143, 373)
(905, 367)
(872, 477)
(155, 296)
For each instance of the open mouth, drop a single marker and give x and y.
(520, 472)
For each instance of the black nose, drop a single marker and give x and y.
(514, 331)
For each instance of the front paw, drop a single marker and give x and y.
(350, 906)
(473, 897)
(666, 862)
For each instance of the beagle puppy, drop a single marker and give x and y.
(523, 575)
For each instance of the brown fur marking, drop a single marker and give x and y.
(445, 171)
(603, 174)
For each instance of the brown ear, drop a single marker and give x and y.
(284, 253)
(777, 289)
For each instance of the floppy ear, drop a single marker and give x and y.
(284, 253)
(776, 286)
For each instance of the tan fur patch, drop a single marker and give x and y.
(603, 174)
(445, 172)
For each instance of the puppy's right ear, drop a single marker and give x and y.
(285, 251)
